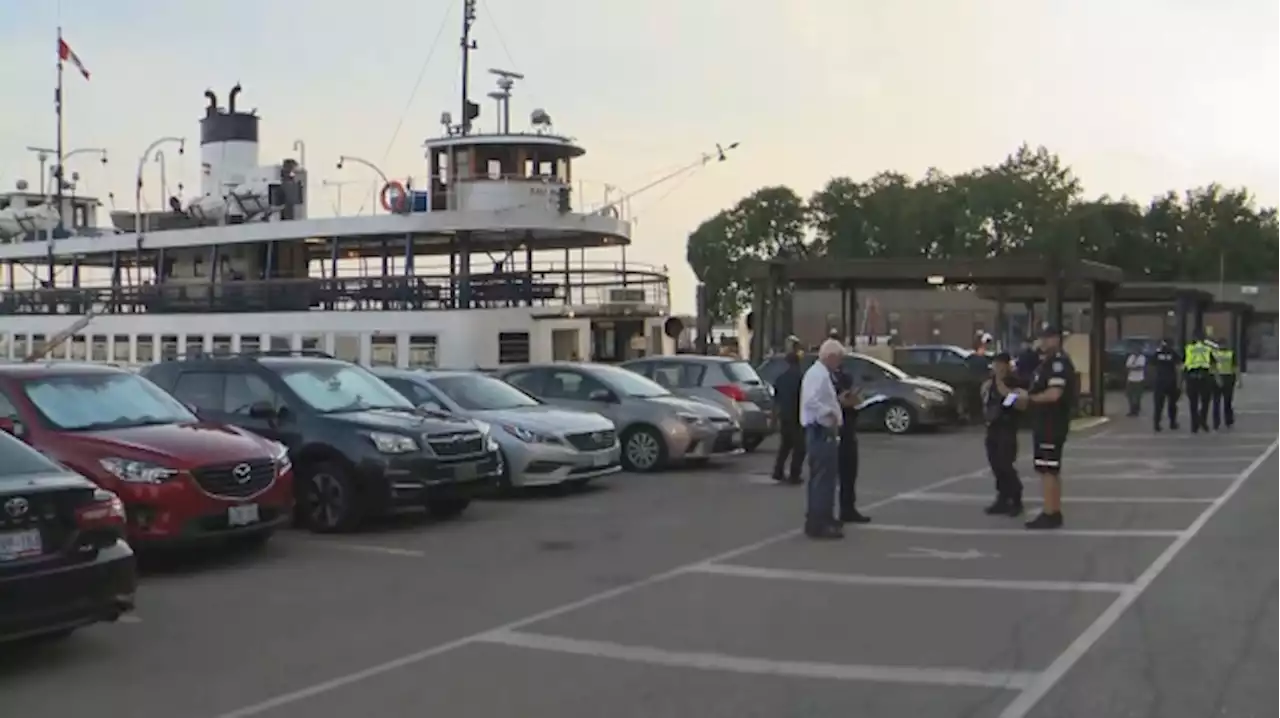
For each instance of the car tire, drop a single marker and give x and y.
(643, 450)
(328, 499)
(751, 443)
(446, 508)
(898, 418)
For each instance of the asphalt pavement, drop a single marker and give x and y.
(689, 593)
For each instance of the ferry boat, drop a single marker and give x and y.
(481, 265)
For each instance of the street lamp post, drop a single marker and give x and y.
(142, 162)
(360, 161)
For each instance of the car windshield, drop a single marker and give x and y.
(84, 402)
(629, 383)
(742, 372)
(888, 368)
(477, 392)
(331, 388)
(18, 459)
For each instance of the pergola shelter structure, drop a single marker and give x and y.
(1188, 322)
(1050, 279)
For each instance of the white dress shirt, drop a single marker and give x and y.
(1137, 366)
(818, 401)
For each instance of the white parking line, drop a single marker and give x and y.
(1187, 445)
(982, 498)
(1173, 437)
(359, 547)
(1073, 478)
(758, 666)
(854, 579)
(419, 656)
(945, 531)
(1045, 682)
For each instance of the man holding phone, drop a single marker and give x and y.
(849, 398)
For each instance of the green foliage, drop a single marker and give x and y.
(1030, 204)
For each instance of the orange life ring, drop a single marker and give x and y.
(385, 196)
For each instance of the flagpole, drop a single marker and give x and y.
(57, 174)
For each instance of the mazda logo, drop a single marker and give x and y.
(459, 438)
(17, 507)
(242, 472)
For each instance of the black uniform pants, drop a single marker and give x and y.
(1002, 454)
(1165, 395)
(848, 469)
(1199, 395)
(791, 446)
(1224, 398)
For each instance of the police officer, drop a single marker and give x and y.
(1050, 402)
(1164, 386)
(1197, 368)
(786, 404)
(848, 458)
(1002, 437)
(1224, 361)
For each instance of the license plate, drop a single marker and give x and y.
(20, 544)
(464, 472)
(243, 515)
(600, 460)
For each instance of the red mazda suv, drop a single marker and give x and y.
(182, 481)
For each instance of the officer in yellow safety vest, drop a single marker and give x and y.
(1224, 360)
(1198, 368)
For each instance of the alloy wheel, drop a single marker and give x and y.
(328, 500)
(897, 419)
(643, 450)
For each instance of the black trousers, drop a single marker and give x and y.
(1166, 399)
(1224, 398)
(1002, 454)
(791, 446)
(1199, 395)
(848, 470)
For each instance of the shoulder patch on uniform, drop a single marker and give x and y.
(1057, 366)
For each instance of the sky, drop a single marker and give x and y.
(1139, 96)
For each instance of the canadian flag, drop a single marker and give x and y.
(65, 54)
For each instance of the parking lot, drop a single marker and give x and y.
(689, 593)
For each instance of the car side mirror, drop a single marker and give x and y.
(13, 427)
(603, 395)
(432, 407)
(263, 410)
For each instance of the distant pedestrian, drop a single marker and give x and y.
(821, 415)
(786, 407)
(1028, 360)
(848, 462)
(1224, 362)
(1135, 380)
(1165, 384)
(1199, 371)
(1002, 438)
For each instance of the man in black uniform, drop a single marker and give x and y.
(1049, 403)
(1027, 361)
(1165, 363)
(786, 402)
(1002, 438)
(848, 457)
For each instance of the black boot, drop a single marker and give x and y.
(1045, 521)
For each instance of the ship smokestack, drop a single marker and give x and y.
(231, 99)
(212, 109)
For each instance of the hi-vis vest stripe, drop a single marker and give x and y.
(1197, 356)
(1226, 361)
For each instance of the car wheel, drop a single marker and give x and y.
(447, 508)
(751, 443)
(329, 500)
(643, 450)
(898, 418)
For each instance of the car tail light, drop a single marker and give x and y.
(104, 511)
(733, 391)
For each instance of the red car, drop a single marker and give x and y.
(181, 480)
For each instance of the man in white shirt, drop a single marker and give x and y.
(821, 413)
(1135, 366)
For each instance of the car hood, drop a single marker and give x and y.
(406, 420)
(36, 483)
(546, 419)
(926, 383)
(177, 445)
(690, 406)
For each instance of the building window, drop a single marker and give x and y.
(19, 346)
(422, 350)
(168, 347)
(250, 343)
(120, 348)
(221, 344)
(383, 349)
(347, 347)
(98, 348)
(145, 353)
(513, 348)
(79, 348)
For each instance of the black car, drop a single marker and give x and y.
(913, 402)
(63, 560)
(358, 447)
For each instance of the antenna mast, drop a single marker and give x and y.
(470, 110)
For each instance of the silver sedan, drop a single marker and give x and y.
(541, 445)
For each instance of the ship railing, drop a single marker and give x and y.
(390, 293)
(584, 198)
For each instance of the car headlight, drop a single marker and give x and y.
(280, 456)
(528, 435)
(931, 396)
(137, 472)
(392, 443)
(689, 418)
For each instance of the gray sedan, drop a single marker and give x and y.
(541, 445)
(728, 383)
(657, 428)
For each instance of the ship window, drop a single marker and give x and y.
(195, 344)
(347, 347)
(145, 354)
(311, 343)
(278, 344)
(250, 343)
(168, 347)
(120, 348)
(221, 344)
(37, 345)
(5, 344)
(383, 349)
(495, 169)
(98, 348)
(18, 347)
(422, 350)
(513, 348)
(79, 348)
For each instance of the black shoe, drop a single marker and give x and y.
(1158, 429)
(826, 531)
(1045, 521)
(1000, 507)
(1173, 426)
(1015, 509)
(853, 516)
